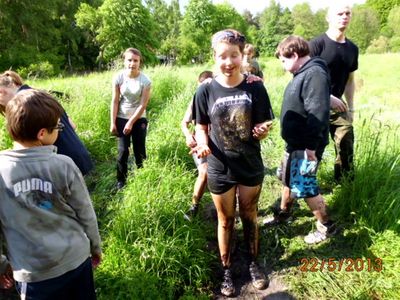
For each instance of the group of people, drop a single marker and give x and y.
(46, 207)
(232, 114)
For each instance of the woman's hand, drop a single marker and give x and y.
(261, 130)
(128, 128)
(113, 129)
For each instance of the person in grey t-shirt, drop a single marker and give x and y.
(131, 94)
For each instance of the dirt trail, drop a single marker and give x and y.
(276, 289)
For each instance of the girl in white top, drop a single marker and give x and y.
(131, 94)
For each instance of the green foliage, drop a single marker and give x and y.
(275, 24)
(393, 21)
(383, 8)
(364, 26)
(394, 44)
(304, 21)
(42, 69)
(119, 25)
(379, 45)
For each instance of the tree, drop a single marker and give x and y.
(364, 26)
(383, 8)
(197, 26)
(275, 24)
(28, 33)
(304, 20)
(119, 24)
(167, 26)
(393, 20)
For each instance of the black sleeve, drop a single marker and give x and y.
(316, 95)
(316, 46)
(262, 109)
(200, 105)
(355, 62)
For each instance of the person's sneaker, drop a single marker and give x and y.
(192, 212)
(321, 234)
(227, 287)
(120, 185)
(257, 276)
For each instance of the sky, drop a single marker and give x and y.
(255, 6)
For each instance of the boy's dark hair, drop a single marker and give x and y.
(230, 36)
(204, 75)
(292, 44)
(29, 111)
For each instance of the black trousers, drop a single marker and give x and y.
(138, 137)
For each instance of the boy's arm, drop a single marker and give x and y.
(187, 119)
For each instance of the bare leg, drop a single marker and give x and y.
(248, 207)
(200, 184)
(318, 208)
(225, 205)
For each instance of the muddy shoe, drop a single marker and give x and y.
(257, 276)
(227, 287)
(322, 233)
(192, 212)
(279, 217)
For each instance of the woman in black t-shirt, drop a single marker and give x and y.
(239, 115)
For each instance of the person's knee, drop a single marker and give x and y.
(226, 222)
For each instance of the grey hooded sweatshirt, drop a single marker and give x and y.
(46, 214)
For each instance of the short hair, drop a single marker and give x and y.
(204, 75)
(133, 51)
(336, 5)
(29, 111)
(230, 36)
(292, 44)
(249, 49)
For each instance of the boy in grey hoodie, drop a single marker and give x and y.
(46, 215)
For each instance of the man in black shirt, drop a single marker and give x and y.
(341, 56)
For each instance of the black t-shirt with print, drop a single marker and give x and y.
(232, 114)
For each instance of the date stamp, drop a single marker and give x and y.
(314, 264)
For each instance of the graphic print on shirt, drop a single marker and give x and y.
(233, 120)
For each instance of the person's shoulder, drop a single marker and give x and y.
(144, 78)
(318, 39)
(118, 76)
(352, 44)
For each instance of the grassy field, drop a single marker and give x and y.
(151, 252)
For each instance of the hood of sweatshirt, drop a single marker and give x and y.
(312, 62)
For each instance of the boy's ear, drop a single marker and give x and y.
(41, 133)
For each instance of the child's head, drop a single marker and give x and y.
(249, 51)
(132, 58)
(9, 84)
(204, 75)
(291, 45)
(291, 52)
(228, 48)
(32, 114)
